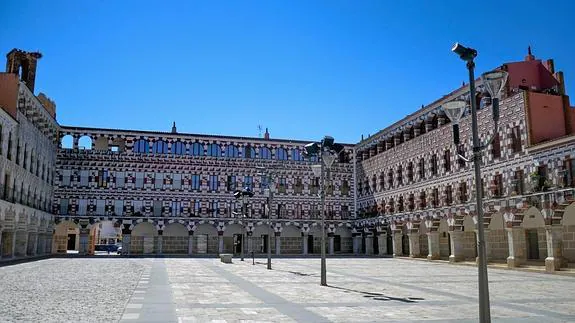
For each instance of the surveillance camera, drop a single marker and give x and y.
(465, 53)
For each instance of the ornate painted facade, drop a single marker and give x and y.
(28, 142)
(172, 193)
(412, 185)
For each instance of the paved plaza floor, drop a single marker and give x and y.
(206, 290)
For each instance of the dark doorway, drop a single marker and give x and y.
(389, 244)
(363, 244)
(238, 241)
(532, 244)
(448, 244)
(405, 244)
(475, 245)
(375, 245)
(310, 244)
(71, 242)
(336, 243)
(265, 243)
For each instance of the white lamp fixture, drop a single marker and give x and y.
(455, 110)
(494, 82)
(316, 170)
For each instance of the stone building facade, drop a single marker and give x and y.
(415, 193)
(172, 193)
(28, 142)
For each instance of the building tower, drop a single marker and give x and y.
(24, 64)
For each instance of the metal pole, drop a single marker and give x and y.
(270, 231)
(243, 228)
(323, 271)
(484, 312)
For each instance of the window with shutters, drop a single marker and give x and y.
(159, 181)
(515, 139)
(118, 207)
(422, 168)
(434, 168)
(496, 147)
(213, 183)
(447, 160)
(157, 208)
(195, 182)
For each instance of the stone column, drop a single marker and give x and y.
(330, 243)
(414, 249)
(278, 243)
(126, 242)
(554, 235)
(397, 247)
(190, 243)
(35, 245)
(382, 243)
(369, 245)
(304, 239)
(356, 248)
(433, 245)
(220, 242)
(487, 246)
(516, 241)
(456, 242)
(40, 245)
(160, 244)
(84, 241)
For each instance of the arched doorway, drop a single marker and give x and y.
(233, 239)
(260, 238)
(497, 237)
(535, 236)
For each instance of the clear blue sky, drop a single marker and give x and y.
(302, 68)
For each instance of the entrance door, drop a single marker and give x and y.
(389, 244)
(405, 244)
(265, 243)
(310, 244)
(448, 243)
(375, 245)
(336, 243)
(237, 243)
(532, 244)
(71, 242)
(202, 243)
(363, 244)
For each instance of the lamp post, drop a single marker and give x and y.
(244, 195)
(326, 151)
(269, 195)
(494, 83)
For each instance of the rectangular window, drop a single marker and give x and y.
(66, 174)
(176, 208)
(100, 207)
(197, 208)
(410, 171)
(435, 197)
(159, 181)
(231, 183)
(282, 185)
(118, 207)
(463, 192)
(103, 178)
(213, 182)
(157, 208)
(265, 183)
(449, 195)
(345, 187)
(25, 156)
(9, 150)
(434, 167)
(248, 182)
(518, 182)
(18, 152)
(515, 139)
(496, 147)
(447, 160)
(195, 182)
(139, 180)
(64, 206)
(82, 206)
(138, 207)
(421, 168)
(177, 183)
(461, 152)
(120, 179)
(84, 176)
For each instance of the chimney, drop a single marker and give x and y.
(174, 130)
(267, 134)
(529, 56)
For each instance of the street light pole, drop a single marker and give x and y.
(494, 83)
(484, 311)
(243, 227)
(323, 261)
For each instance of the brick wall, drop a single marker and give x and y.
(60, 243)
(346, 245)
(137, 245)
(469, 246)
(291, 245)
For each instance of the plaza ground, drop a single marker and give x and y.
(202, 290)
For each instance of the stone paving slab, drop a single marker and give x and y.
(205, 290)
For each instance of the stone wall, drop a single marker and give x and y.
(469, 246)
(423, 245)
(175, 245)
(60, 243)
(213, 244)
(498, 245)
(444, 245)
(137, 245)
(569, 242)
(7, 244)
